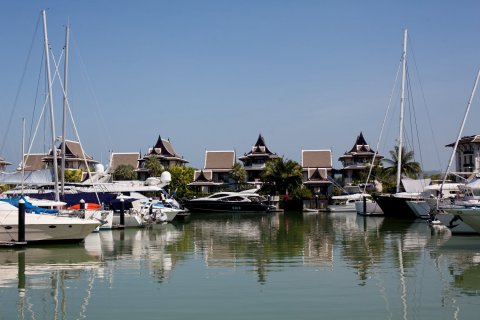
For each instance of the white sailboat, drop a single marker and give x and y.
(45, 227)
(461, 217)
(396, 205)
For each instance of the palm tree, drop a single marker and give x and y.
(154, 166)
(281, 175)
(409, 167)
(125, 172)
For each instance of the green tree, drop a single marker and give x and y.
(73, 175)
(238, 174)
(409, 167)
(181, 177)
(281, 175)
(154, 166)
(125, 172)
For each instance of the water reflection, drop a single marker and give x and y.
(400, 263)
(42, 276)
(463, 257)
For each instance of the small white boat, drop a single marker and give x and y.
(345, 203)
(43, 227)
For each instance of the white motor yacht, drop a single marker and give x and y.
(43, 227)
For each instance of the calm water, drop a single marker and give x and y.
(283, 266)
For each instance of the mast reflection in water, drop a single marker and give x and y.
(276, 266)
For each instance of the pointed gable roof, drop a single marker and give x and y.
(260, 146)
(203, 176)
(163, 149)
(317, 176)
(259, 149)
(73, 149)
(361, 145)
(361, 149)
(223, 160)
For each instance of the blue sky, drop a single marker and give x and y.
(212, 75)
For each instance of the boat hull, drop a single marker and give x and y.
(470, 216)
(348, 207)
(396, 206)
(43, 228)
(455, 225)
(132, 220)
(420, 208)
(369, 208)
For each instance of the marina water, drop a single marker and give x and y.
(278, 266)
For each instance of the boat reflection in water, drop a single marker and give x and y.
(463, 256)
(44, 275)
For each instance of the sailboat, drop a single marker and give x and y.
(397, 204)
(45, 227)
(460, 216)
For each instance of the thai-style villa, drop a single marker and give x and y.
(317, 166)
(317, 170)
(75, 158)
(254, 161)
(3, 164)
(165, 153)
(467, 157)
(357, 159)
(215, 173)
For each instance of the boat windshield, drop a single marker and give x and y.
(234, 199)
(218, 195)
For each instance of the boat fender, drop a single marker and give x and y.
(162, 217)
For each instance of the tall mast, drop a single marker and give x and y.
(50, 99)
(64, 120)
(402, 103)
(460, 132)
(23, 153)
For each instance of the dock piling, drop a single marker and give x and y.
(21, 221)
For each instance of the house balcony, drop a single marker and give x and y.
(255, 166)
